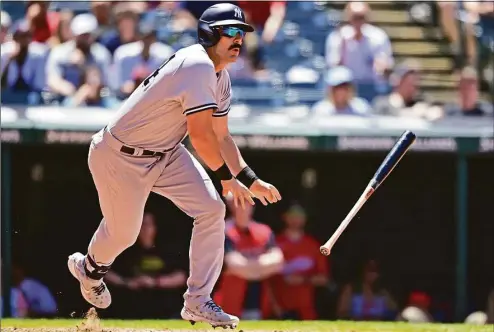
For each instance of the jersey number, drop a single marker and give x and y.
(148, 79)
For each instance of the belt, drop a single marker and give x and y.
(141, 152)
(129, 150)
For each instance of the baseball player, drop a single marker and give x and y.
(141, 151)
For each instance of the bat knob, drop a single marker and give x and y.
(324, 251)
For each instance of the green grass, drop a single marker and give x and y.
(246, 326)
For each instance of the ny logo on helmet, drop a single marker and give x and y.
(238, 12)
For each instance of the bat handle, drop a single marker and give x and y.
(369, 190)
(325, 251)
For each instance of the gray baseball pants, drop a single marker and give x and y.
(124, 183)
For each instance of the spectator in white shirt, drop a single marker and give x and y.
(5, 23)
(340, 98)
(362, 47)
(406, 99)
(66, 62)
(147, 52)
(21, 58)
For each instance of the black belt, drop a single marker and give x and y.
(146, 153)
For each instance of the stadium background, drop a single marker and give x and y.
(411, 227)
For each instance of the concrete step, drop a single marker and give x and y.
(442, 96)
(448, 78)
(410, 32)
(381, 17)
(414, 48)
(435, 84)
(428, 64)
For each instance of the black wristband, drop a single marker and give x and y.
(247, 176)
(223, 173)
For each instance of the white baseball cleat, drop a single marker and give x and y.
(93, 291)
(209, 312)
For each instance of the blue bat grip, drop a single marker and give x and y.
(393, 157)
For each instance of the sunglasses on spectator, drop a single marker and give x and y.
(232, 32)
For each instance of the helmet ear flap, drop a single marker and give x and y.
(207, 36)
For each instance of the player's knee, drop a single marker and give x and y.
(125, 237)
(214, 210)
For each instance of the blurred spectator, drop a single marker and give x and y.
(18, 305)
(265, 16)
(366, 299)
(305, 268)
(469, 103)
(126, 30)
(448, 14)
(63, 33)
(21, 59)
(91, 92)
(139, 74)
(482, 14)
(249, 65)
(5, 23)
(66, 62)
(340, 96)
(417, 310)
(148, 52)
(43, 22)
(170, 13)
(30, 297)
(102, 11)
(405, 100)
(149, 276)
(139, 7)
(362, 47)
(251, 258)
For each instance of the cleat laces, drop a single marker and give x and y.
(99, 289)
(213, 306)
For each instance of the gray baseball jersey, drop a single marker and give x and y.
(154, 117)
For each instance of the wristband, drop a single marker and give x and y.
(247, 176)
(223, 173)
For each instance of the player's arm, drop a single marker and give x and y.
(203, 138)
(271, 262)
(237, 264)
(199, 104)
(114, 278)
(172, 280)
(265, 192)
(228, 147)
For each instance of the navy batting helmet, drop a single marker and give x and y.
(219, 15)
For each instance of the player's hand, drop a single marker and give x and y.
(147, 281)
(133, 284)
(265, 192)
(241, 193)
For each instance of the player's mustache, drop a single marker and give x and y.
(234, 46)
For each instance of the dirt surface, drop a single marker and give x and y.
(78, 329)
(92, 323)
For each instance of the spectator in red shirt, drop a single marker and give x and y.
(252, 257)
(305, 268)
(43, 22)
(267, 16)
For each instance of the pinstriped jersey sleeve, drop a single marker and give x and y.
(198, 82)
(225, 95)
